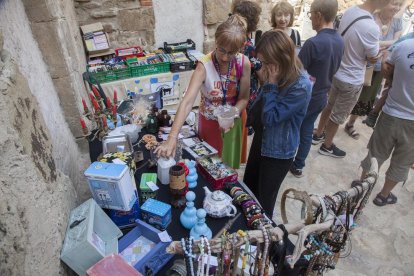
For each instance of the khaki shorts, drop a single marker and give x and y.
(342, 98)
(396, 136)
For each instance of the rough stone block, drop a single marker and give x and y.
(42, 10)
(135, 20)
(90, 5)
(108, 28)
(69, 104)
(215, 11)
(51, 48)
(208, 46)
(103, 14)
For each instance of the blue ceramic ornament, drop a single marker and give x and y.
(188, 217)
(201, 228)
(192, 174)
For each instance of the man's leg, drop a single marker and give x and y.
(323, 120)
(346, 98)
(306, 131)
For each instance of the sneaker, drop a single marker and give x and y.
(296, 172)
(333, 151)
(316, 140)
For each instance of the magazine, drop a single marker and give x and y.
(197, 148)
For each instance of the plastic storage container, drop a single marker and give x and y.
(163, 169)
(112, 185)
(90, 236)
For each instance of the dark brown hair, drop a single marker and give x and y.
(250, 10)
(285, 7)
(276, 47)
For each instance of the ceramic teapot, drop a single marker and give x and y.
(218, 204)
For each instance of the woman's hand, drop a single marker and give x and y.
(167, 148)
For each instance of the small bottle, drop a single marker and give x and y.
(163, 169)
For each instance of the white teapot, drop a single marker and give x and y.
(218, 204)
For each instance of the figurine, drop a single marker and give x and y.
(218, 204)
(192, 174)
(188, 217)
(201, 228)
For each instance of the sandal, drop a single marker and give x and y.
(380, 200)
(350, 130)
(371, 119)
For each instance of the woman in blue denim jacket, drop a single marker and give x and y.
(276, 116)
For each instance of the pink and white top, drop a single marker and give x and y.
(216, 87)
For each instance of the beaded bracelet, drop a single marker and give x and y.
(186, 254)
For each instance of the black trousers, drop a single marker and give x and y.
(264, 175)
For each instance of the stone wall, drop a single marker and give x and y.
(35, 196)
(56, 86)
(127, 22)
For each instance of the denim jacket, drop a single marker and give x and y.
(282, 115)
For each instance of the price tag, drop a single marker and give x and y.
(152, 186)
(164, 236)
(118, 161)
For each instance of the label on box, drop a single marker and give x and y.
(98, 243)
(164, 236)
(118, 161)
(152, 186)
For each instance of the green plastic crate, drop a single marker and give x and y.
(110, 75)
(148, 69)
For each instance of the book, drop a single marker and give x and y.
(198, 149)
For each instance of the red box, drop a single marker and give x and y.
(129, 52)
(112, 265)
(216, 182)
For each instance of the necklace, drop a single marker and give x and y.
(384, 26)
(226, 80)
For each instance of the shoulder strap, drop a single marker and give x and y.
(295, 32)
(355, 20)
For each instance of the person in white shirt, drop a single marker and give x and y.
(361, 36)
(394, 133)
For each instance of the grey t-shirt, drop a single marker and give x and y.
(395, 27)
(400, 101)
(361, 41)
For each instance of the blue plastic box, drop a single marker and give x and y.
(112, 185)
(90, 236)
(125, 219)
(156, 213)
(152, 261)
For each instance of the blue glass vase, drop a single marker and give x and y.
(188, 217)
(201, 228)
(192, 174)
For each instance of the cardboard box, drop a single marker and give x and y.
(125, 219)
(95, 39)
(134, 249)
(213, 176)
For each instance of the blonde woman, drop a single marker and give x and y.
(282, 17)
(223, 76)
(276, 116)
